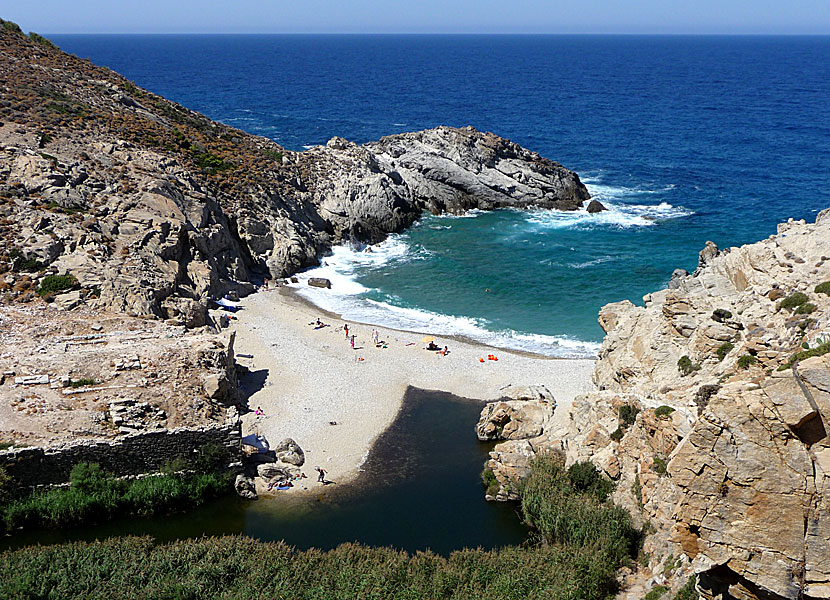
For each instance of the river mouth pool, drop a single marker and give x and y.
(419, 489)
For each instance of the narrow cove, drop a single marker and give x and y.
(420, 488)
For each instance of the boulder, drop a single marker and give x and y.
(595, 206)
(320, 282)
(245, 487)
(289, 451)
(513, 419)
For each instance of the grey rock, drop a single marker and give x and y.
(319, 282)
(595, 206)
(245, 487)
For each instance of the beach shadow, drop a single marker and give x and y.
(251, 382)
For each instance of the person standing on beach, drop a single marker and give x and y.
(375, 336)
(321, 474)
(346, 329)
(352, 338)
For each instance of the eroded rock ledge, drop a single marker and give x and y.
(713, 415)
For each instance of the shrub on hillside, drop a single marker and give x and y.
(53, 284)
(662, 412)
(686, 366)
(724, 349)
(793, 301)
(805, 309)
(823, 288)
(627, 413)
(584, 477)
(746, 361)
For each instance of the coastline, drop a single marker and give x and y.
(304, 379)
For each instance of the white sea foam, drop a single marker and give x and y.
(591, 263)
(347, 298)
(621, 213)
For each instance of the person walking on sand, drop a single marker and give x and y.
(352, 338)
(321, 474)
(346, 329)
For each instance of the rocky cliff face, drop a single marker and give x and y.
(713, 416)
(153, 207)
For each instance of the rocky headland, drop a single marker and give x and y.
(712, 414)
(152, 207)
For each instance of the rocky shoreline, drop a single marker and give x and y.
(711, 414)
(153, 208)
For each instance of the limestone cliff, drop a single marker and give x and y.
(729, 454)
(153, 207)
(712, 414)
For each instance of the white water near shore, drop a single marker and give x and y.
(351, 299)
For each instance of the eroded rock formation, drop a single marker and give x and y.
(712, 414)
(152, 207)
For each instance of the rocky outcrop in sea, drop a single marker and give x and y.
(152, 207)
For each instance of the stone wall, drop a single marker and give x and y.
(134, 454)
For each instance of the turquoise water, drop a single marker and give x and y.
(686, 138)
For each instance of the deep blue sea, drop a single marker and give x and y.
(684, 138)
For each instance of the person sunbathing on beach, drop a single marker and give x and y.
(433, 347)
(445, 351)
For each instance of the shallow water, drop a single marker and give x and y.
(419, 489)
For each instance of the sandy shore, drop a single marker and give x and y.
(313, 377)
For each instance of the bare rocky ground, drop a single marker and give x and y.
(69, 375)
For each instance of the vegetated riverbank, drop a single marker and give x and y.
(95, 496)
(582, 539)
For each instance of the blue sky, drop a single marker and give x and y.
(420, 16)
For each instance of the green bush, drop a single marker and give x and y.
(685, 365)
(656, 592)
(721, 314)
(208, 161)
(746, 360)
(39, 39)
(561, 514)
(805, 309)
(89, 478)
(819, 350)
(52, 284)
(244, 569)
(659, 466)
(584, 477)
(688, 591)
(661, 412)
(617, 434)
(490, 482)
(274, 155)
(11, 26)
(794, 300)
(627, 413)
(724, 349)
(83, 382)
(823, 288)
(95, 496)
(585, 541)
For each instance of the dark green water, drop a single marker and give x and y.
(419, 489)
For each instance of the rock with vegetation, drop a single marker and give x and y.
(152, 208)
(726, 457)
